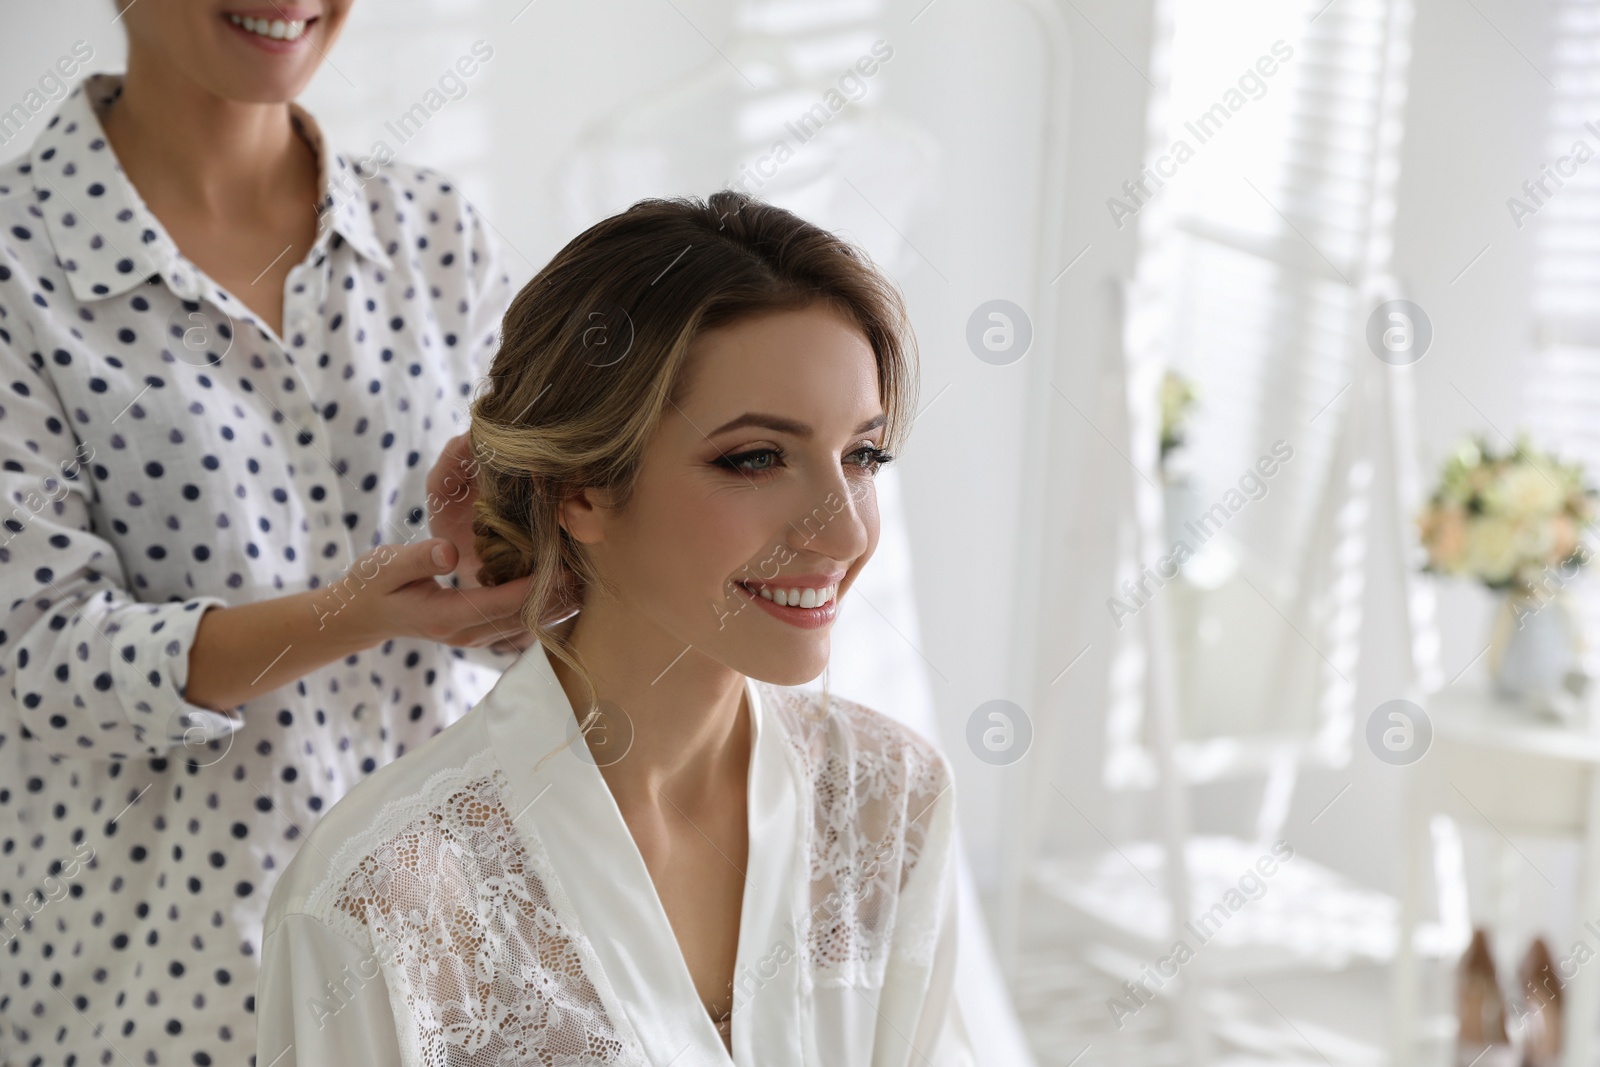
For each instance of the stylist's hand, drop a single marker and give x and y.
(452, 490)
(392, 591)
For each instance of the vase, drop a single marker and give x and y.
(1180, 506)
(1535, 651)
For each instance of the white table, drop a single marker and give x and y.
(1492, 766)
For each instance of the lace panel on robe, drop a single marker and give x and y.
(483, 969)
(873, 786)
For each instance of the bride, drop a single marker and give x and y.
(642, 846)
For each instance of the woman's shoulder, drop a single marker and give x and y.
(377, 812)
(877, 807)
(854, 741)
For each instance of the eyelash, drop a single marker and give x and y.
(877, 456)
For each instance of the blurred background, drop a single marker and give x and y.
(1236, 558)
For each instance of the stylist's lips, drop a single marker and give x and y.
(275, 29)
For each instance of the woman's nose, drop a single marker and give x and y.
(835, 523)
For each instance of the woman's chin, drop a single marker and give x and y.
(788, 670)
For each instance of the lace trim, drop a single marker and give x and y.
(482, 969)
(874, 784)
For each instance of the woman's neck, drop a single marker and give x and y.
(183, 146)
(691, 732)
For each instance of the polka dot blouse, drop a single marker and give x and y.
(162, 451)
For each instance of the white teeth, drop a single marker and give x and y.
(277, 29)
(799, 598)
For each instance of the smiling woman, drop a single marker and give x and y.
(643, 846)
(781, 318)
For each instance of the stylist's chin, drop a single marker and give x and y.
(259, 53)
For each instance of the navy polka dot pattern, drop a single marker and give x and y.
(164, 452)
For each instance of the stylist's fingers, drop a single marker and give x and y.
(452, 493)
(451, 474)
(496, 601)
(515, 644)
(391, 567)
(409, 597)
(492, 632)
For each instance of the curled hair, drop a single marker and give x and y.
(597, 344)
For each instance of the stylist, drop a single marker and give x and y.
(230, 362)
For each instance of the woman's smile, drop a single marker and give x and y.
(809, 601)
(273, 29)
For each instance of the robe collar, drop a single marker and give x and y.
(562, 800)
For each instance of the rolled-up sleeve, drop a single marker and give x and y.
(91, 671)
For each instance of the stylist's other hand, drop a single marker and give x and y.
(452, 491)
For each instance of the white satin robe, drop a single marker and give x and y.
(468, 905)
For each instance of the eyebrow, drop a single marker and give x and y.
(788, 426)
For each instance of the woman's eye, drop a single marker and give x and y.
(768, 460)
(870, 458)
(760, 461)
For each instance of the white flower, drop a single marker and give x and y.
(1524, 491)
(1492, 549)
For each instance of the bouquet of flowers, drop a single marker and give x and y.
(1177, 398)
(1506, 518)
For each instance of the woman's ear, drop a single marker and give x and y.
(583, 516)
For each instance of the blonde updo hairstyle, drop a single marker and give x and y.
(596, 346)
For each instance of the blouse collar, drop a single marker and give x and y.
(559, 798)
(108, 241)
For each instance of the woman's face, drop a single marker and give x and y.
(249, 51)
(760, 474)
